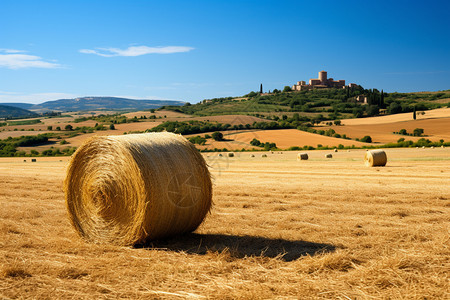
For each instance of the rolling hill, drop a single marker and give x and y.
(19, 105)
(101, 103)
(15, 112)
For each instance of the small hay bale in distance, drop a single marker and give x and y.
(375, 158)
(134, 188)
(264, 155)
(230, 154)
(33, 160)
(220, 155)
(252, 155)
(302, 156)
(335, 150)
(329, 155)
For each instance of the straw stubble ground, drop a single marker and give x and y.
(279, 227)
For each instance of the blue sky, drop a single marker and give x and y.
(194, 50)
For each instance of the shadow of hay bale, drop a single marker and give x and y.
(240, 246)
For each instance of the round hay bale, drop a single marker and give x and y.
(329, 155)
(252, 155)
(33, 160)
(432, 147)
(442, 146)
(423, 147)
(348, 150)
(264, 155)
(375, 158)
(220, 155)
(335, 150)
(24, 160)
(134, 188)
(302, 156)
(231, 154)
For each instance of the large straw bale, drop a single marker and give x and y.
(329, 155)
(375, 158)
(134, 188)
(302, 156)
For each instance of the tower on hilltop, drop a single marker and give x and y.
(323, 77)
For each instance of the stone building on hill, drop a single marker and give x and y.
(321, 82)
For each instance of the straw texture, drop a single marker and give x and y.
(133, 188)
(375, 158)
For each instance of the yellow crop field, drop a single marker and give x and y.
(279, 228)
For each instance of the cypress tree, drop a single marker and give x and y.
(260, 89)
(414, 113)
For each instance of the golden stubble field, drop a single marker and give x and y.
(279, 228)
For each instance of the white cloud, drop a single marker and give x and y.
(35, 98)
(15, 59)
(136, 51)
(11, 50)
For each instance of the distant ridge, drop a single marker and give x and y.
(95, 103)
(15, 112)
(19, 105)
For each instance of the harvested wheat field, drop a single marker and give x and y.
(429, 114)
(279, 228)
(434, 130)
(284, 138)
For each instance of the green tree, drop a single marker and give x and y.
(68, 127)
(418, 132)
(217, 135)
(112, 127)
(372, 110)
(357, 112)
(255, 142)
(403, 132)
(366, 139)
(49, 127)
(287, 89)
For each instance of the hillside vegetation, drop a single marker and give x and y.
(317, 105)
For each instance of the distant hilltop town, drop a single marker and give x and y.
(321, 83)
